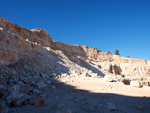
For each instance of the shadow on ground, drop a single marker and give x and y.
(82, 101)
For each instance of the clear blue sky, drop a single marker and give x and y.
(103, 24)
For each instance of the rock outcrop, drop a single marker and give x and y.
(104, 61)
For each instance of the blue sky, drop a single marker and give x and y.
(103, 24)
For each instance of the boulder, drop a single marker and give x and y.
(84, 74)
(126, 81)
(111, 106)
(78, 73)
(13, 96)
(107, 78)
(145, 83)
(94, 75)
(17, 93)
(135, 84)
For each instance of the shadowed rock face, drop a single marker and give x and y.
(17, 42)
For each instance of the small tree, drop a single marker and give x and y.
(117, 52)
(109, 52)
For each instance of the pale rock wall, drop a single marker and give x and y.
(120, 65)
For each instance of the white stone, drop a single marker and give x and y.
(94, 75)
(27, 39)
(84, 74)
(1, 28)
(107, 78)
(135, 84)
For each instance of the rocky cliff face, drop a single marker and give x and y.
(18, 42)
(107, 63)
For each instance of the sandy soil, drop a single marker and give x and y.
(95, 85)
(91, 95)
